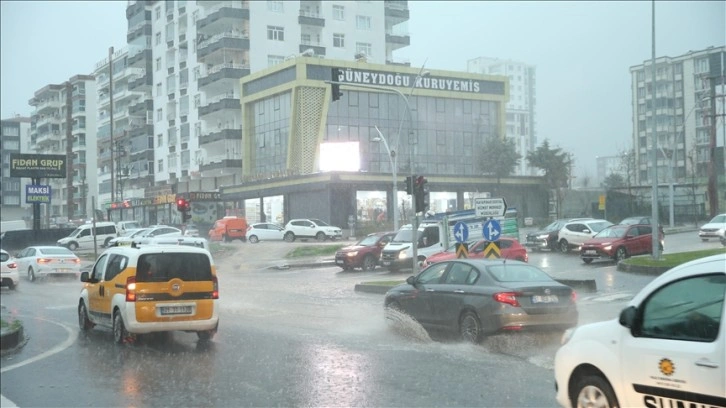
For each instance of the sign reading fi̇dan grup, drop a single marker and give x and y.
(38, 165)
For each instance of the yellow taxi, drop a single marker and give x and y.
(150, 289)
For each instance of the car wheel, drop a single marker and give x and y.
(225, 238)
(253, 239)
(31, 274)
(564, 246)
(723, 241)
(470, 328)
(587, 260)
(593, 391)
(392, 312)
(289, 237)
(73, 246)
(120, 334)
(11, 286)
(205, 335)
(369, 263)
(106, 242)
(620, 254)
(320, 236)
(83, 321)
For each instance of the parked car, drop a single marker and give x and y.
(618, 242)
(509, 248)
(640, 219)
(666, 349)
(476, 297)
(574, 233)
(9, 276)
(264, 231)
(547, 237)
(228, 229)
(83, 236)
(126, 239)
(311, 228)
(364, 254)
(43, 261)
(149, 233)
(126, 227)
(716, 228)
(156, 288)
(191, 230)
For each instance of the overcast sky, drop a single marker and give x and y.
(582, 52)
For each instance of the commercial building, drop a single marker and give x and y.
(63, 121)
(14, 139)
(687, 102)
(521, 117)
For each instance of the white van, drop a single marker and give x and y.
(13, 225)
(82, 237)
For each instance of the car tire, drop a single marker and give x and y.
(470, 327)
(73, 246)
(369, 263)
(11, 285)
(31, 274)
(564, 246)
(83, 321)
(620, 254)
(225, 238)
(253, 239)
(593, 391)
(120, 334)
(320, 236)
(723, 241)
(205, 335)
(289, 237)
(587, 260)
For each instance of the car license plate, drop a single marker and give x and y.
(175, 310)
(386, 263)
(339, 261)
(545, 299)
(590, 252)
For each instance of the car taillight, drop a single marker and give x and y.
(215, 288)
(43, 260)
(131, 289)
(12, 265)
(77, 260)
(573, 296)
(509, 298)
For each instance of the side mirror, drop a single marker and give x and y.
(84, 276)
(411, 280)
(629, 318)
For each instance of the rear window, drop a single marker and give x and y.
(167, 266)
(55, 251)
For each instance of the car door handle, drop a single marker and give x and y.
(458, 291)
(429, 290)
(706, 363)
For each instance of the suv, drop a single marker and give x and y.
(365, 254)
(151, 289)
(574, 233)
(618, 242)
(311, 228)
(547, 237)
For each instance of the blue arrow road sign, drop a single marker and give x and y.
(492, 230)
(461, 232)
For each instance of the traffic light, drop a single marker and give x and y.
(335, 88)
(181, 204)
(421, 190)
(184, 207)
(410, 184)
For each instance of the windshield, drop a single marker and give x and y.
(555, 226)
(719, 218)
(139, 233)
(612, 232)
(369, 240)
(55, 251)
(75, 232)
(404, 235)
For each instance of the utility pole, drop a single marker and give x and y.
(654, 153)
(712, 189)
(110, 101)
(69, 150)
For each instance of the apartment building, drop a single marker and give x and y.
(63, 121)
(682, 118)
(14, 139)
(196, 53)
(521, 108)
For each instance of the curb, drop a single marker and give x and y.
(11, 338)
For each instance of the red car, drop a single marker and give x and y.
(365, 254)
(510, 249)
(620, 241)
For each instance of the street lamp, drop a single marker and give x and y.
(392, 156)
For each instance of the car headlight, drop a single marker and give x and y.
(352, 254)
(402, 255)
(543, 236)
(567, 335)
(607, 248)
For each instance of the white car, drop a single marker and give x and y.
(716, 228)
(667, 348)
(264, 231)
(8, 270)
(198, 242)
(148, 234)
(311, 228)
(574, 233)
(126, 239)
(42, 261)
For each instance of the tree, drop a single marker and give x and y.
(556, 165)
(613, 181)
(498, 157)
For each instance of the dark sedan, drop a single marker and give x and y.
(476, 297)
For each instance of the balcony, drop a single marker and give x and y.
(310, 18)
(51, 105)
(223, 134)
(140, 108)
(223, 41)
(139, 58)
(222, 18)
(222, 76)
(396, 10)
(143, 28)
(220, 103)
(398, 40)
(223, 164)
(140, 83)
(317, 49)
(47, 138)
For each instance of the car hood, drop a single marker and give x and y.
(714, 225)
(541, 232)
(352, 248)
(600, 241)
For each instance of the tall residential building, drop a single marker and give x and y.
(682, 118)
(197, 51)
(521, 108)
(63, 121)
(14, 139)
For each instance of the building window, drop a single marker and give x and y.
(339, 40)
(305, 39)
(274, 60)
(157, 38)
(158, 64)
(275, 6)
(364, 48)
(157, 13)
(160, 165)
(338, 13)
(158, 115)
(158, 89)
(159, 140)
(363, 22)
(276, 33)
